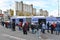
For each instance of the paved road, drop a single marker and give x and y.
(8, 34)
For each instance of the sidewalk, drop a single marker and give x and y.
(29, 36)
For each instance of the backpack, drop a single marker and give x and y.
(20, 24)
(54, 25)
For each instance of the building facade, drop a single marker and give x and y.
(34, 12)
(7, 14)
(1, 16)
(24, 9)
(10, 12)
(43, 12)
(0, 11)
(18, 8)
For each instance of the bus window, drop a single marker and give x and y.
(21, 20)
(41, 20)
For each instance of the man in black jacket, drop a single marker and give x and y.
(13, 24)
(48, 27)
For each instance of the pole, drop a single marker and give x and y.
(58, 7)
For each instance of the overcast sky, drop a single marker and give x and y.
(50, 5)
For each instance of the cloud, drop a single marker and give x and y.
(50, 5)
(54, 13)
(3, 5)
(7, 4)
(41, 4)
(37, 3)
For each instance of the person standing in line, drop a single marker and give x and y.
(2, 22)
(25, 29)
(13, 25)
(57, 28)
(38, 30)
(10, 24)
(20, 25)
(6, 24)
(48, 25)
(40, 26)
(43, 27)
(27, 26)
(52, 29)
(32, 28)
(53, 25)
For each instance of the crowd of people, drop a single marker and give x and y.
(54, 26)
(40, 27)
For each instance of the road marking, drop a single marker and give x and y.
(49, 39)
(6, 35)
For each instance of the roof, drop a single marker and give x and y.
(27, 17)
(18, 17)
(38, 17)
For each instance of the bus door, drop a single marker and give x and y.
(20, 20)
(41, 20)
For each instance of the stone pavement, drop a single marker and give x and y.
(8, 34)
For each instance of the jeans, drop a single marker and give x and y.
(57, 31)
(3, 24)
(20, 28)
(33, 31)
(38, 32)
(43, 30)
